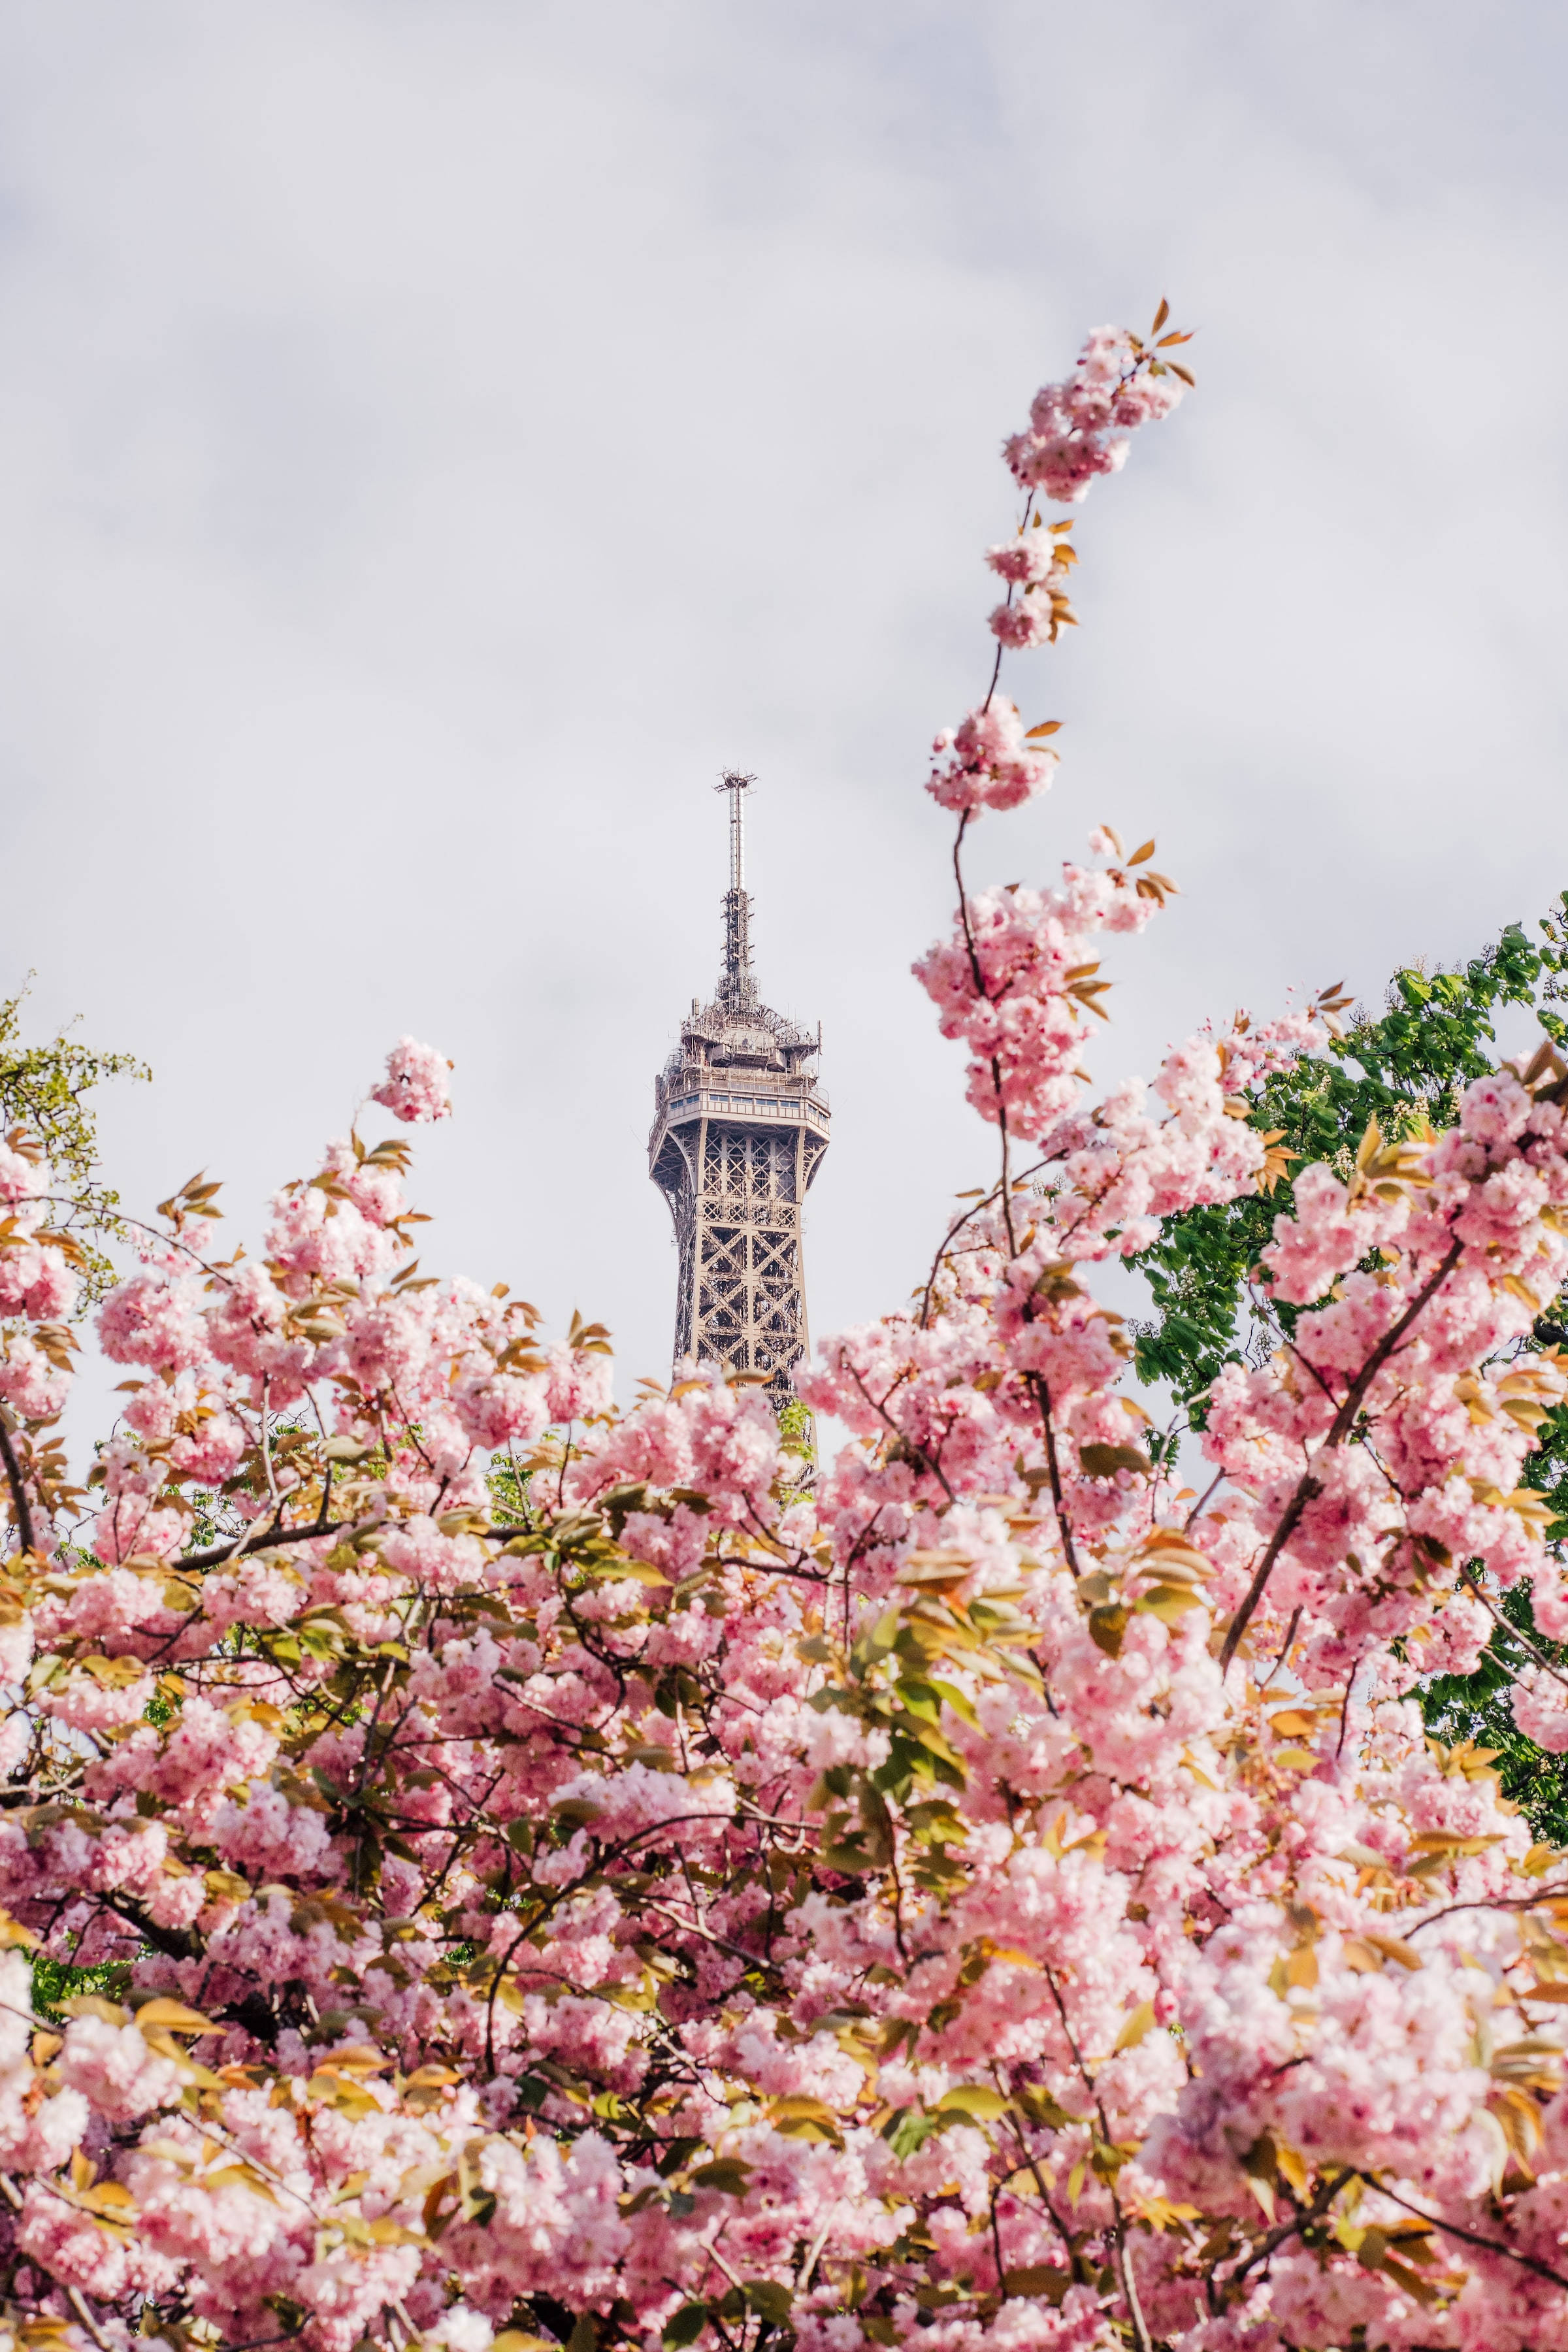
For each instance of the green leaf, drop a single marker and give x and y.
(907, 2132)
(773, 2302)
(1107, 1625)
(977, 2100)
(685, 2327)
(729, 2173)
(1105, 1461)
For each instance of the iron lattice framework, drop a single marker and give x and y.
(739, 1128)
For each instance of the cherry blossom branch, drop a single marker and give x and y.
(980, 988)
(981, 991)
(157, 1233)
(1310, 1487)
(21, 1509)
(1517, 1632)
(1345, 1419)
(1011, 591)
(1037, 1381)
(1495, 1902)
(255, 1539)
(1328, 2190)
(1285, 1648)
(933, 1466)
(723, 1943)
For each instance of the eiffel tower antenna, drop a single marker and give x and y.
(736, 986)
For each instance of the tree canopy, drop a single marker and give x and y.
(486, 1871)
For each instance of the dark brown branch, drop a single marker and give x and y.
(1327, 2191)
(1043, 1399)
(1307, 1492)
(1345, 1417)
(21, 1507)
(980, 988)
(1310, 1486)
(221, 1554)
(948, 1239)
(174, 1943)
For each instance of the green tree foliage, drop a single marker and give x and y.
(798, 1430)
(1435, 1034)
(1473, 1707)
(46, 1089)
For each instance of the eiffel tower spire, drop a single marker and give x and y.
(736, 986)
(739, 1128)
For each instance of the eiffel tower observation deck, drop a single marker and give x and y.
(739, 1128)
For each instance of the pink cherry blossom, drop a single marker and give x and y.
(415, 1087)
(1077, 428)
(992, 764)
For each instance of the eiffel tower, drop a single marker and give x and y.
(739, 1131)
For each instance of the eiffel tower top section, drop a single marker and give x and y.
(740, 1126)
(759, 1050)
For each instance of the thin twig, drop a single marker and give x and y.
(722, 1943)
(1141, 2335)
(1470, 2237)
(948, 1239)
(1006, 1186)
(1002, 2288)
(1517, 1631)
(1215, 1481)
(1285, 1651)
(78, 2303)
(804, 2279)
(981, 989)
(1494, 1902)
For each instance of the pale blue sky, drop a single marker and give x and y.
(434, 437)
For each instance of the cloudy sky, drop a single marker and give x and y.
(437, 434)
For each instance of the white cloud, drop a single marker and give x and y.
(434, 437)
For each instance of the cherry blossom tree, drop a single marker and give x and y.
(482, 1869)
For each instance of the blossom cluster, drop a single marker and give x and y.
(1078, 429)
(1016, 979)
(991, 761)
(415, 1089)
(1036, 565)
